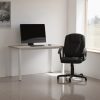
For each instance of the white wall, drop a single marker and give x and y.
(76, 12)
(53, 13)
(71, 16)
(80, 16)
(90, 67)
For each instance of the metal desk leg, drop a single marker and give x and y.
(63, 72)
(63, 69)
(50, 60)
(19, 65)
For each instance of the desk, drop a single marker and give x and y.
(23, 47)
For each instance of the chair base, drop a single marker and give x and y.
(71, 76)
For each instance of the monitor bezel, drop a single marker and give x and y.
(33, 40)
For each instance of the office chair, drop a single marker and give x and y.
(73, 52)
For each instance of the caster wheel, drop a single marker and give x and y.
(57, 78)
(81, 74)
(69, 80)
(86, 79)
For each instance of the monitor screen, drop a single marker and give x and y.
(32, 33)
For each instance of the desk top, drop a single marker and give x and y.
(51, 46)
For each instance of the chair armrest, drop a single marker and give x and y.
(84, 54)
(60, 52)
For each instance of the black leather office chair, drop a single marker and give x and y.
(73, 52)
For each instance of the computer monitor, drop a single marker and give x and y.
(32, 33)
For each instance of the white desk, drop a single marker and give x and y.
(23, 47)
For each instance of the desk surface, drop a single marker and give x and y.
(52, 46)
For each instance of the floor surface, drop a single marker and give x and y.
(45, 87)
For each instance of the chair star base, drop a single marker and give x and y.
(71, 76)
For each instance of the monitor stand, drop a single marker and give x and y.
(32, 45)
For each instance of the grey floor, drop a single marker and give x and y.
(45, 87)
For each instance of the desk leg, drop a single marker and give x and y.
(50, 60)
(63, 72)
(63, 69)
(19, 65)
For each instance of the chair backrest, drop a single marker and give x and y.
(74, 45)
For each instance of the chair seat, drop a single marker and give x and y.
(71, 59)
